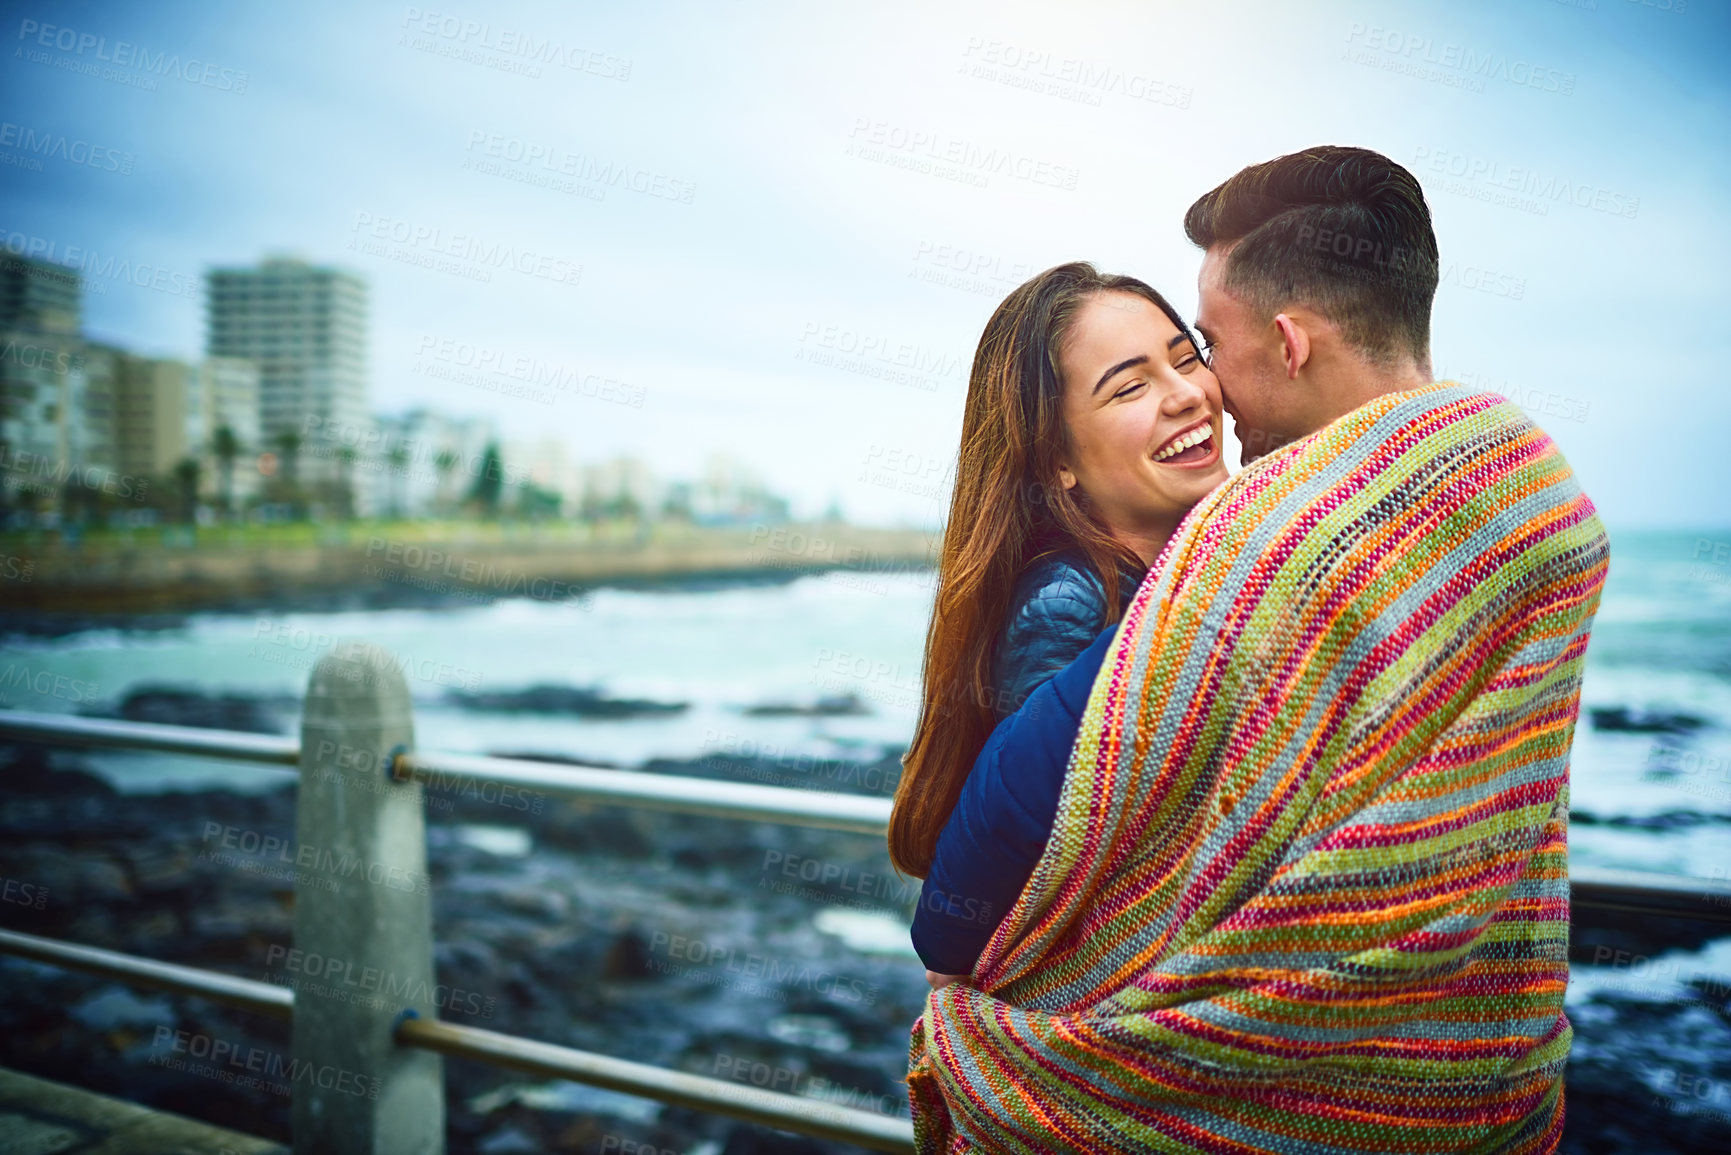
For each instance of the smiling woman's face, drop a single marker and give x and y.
(1142, 414)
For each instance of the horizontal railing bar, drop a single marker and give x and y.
(248, 995)
(1642, 892)
(772, 1108)
(789, 1112)
(1636, 892)
(108, 733)
(1592, 886)
(818, 808)
(828, 810)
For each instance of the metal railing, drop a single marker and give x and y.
(360, 795)
(361, 788)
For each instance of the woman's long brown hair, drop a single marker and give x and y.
(1008, 509)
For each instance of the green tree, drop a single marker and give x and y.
(226, 447)
(490, 482)
(445, 462)
(186, 477)
(346, 456)
(399, 459)
(535, 503)
(288, 447)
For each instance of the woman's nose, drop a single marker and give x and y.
(1184, 396)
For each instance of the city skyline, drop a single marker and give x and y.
(280, 398)
(802, 283)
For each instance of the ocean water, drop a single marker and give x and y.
(1657, 797)
(1650, 1068)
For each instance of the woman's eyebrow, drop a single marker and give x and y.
(1117, 369)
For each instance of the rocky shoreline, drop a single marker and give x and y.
(356, 565)
(691, 943)
(669, 939)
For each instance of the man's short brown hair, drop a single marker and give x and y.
(1344, 231)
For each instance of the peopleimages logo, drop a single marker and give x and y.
(125, 54)
(481, 256)
(58, 146)
(920, 150)
(251, 1067)
(527, 47)
(1419, 52)
(52, 358)
(1067, 77)
(768, 970)
(335, 977)
(1525, 180)
(96, 268)
(580, 166)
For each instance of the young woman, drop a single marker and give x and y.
(1091, 428)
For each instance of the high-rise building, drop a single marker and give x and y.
(305, 327)
(56, 390)
(167, 412)
(224, 395)
(41, 375)
(40, 296)
(152, 433)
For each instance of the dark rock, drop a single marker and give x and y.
(1665, 820)
(550, 699)
(747, 1139)
(1622, 719)
(28, 768)
(842, 705)
(561, 945)
(556, 759)
(627, 957)
(191, 706)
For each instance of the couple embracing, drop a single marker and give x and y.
(1241, 801)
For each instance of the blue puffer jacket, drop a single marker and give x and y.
(1059, 606)
(1048, 655)
(1003, 819)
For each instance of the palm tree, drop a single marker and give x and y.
(485, 492)
(345, 482)
(444, 463)
(186, 475)
(288, 444)
(399, 459)
(226, 446)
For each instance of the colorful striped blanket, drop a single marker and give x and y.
(1307, 887)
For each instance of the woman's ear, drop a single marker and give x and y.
(1066, 478)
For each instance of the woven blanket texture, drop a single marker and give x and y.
(1307, 885)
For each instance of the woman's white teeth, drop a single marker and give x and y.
(1195, 437)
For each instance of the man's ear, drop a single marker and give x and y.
(1295, 344)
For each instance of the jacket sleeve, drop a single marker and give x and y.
(1053, 623)
(1003, 819)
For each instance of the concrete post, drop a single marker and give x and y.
(363, 926)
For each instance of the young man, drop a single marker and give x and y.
(1306, 886)
(1317, 279)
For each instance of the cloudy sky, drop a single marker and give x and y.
(774, 230)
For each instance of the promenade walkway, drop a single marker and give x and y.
(40, 1117)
